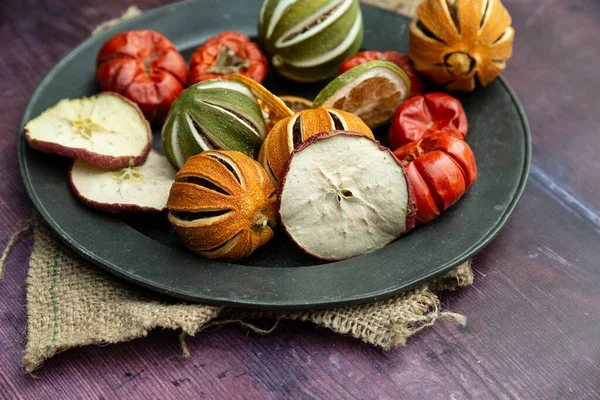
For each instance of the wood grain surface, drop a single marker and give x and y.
(534, 311)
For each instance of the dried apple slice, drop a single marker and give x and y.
(372, 91)
(106, 130)
(133, 189)
(343, 195)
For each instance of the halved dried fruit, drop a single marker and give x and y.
(132, 189)
(296, 103)
(371, 91)
(106, 130)
(223, 205)
(290, 132)
(214, 114)
(343, 195)
(307, 40)
(273, 108)
(400, 59)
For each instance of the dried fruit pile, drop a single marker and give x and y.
(247, 158)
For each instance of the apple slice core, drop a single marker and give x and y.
(133, 189)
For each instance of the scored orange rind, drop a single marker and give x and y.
(290, 132)
(222, 205)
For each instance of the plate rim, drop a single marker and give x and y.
(267, 305)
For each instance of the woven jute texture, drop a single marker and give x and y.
(71, 303)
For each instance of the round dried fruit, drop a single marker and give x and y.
(214, 114)
(440, 168)
(225, 54)
(454, 41)
(290, 132)
(342, 195)
(223, 205)
(307, 40)
(371, 91)
(132, 189)
(145, 67)
(424, 115)
(106, 130)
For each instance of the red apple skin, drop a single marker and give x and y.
(412, 205)
(100, 160)
(110, 207)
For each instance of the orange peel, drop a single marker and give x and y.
(223, 205)
(288, 133)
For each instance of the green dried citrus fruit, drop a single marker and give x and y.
(214, 114)
(372, 91)
(307, 40)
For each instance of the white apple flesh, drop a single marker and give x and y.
(344, 195)
(106, 130)
(133, 189)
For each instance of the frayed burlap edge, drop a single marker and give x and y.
(386, 324)
(131, 12)
(71, 303)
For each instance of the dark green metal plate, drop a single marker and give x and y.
(144, 249)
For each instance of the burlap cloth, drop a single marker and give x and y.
(72, 303)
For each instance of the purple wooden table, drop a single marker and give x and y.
(534, 311)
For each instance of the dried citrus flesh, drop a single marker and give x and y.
(296, 104)
(273, 108)
(372, 91)
(132, 189)
(105, 130)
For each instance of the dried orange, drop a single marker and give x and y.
(452, 42)
(223, 205)
(287, 134)
(373, 91)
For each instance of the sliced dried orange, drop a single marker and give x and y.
(296, 104)
(273, 108)
(372, 91)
